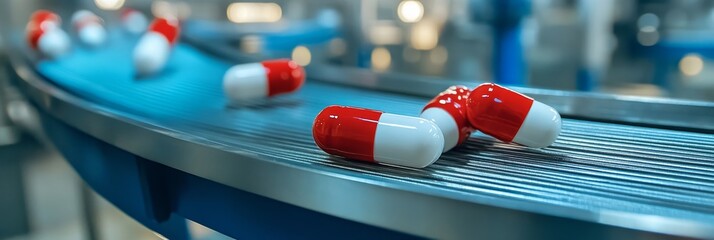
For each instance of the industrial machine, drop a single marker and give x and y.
(632, 80)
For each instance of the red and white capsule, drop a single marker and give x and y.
(153, 50)
(44, 34)
(134, 21)
(448, 111)
(512, 117)
(373, 136)
(90, 30)
(264, 79)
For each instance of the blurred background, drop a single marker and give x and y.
(644, 48)
(654, 48)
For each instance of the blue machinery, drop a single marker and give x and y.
(159, 197)
(508, 58)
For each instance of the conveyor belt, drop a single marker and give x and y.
(593, 167)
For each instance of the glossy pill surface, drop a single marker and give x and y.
(448, 111)
(373, 136)
(512, 117)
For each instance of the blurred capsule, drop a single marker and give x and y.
(265, 79)
(448, 111)
(45, 35)
(45, 15)
(512, 117)
(373, 136)
(153, 50)
(89, 28)
(134, 21)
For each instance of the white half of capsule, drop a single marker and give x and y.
(540, 128)
(151, 53)
(246, 81)
(407, 141)
(91, 33)
(446, 124)
(135, 22)
(53, 43)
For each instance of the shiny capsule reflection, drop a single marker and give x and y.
(512, 117)
(264, 79)
(373, 136)
(448, 111)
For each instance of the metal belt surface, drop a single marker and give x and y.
(592, 166)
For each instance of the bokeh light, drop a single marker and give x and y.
(381, 59)
(424, 36)
(648, 36)
(410, 11)
(109, 4)
(301, 55)
(691, 65)
(245, 12)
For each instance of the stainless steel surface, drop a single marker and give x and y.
(601, 178)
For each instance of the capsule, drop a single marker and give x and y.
(89, 28)
(512, 117)
(372, 136)
(134, 21)
(260, 80)
(44, 34)
(448, 111)
(45, 15)
(153, 50)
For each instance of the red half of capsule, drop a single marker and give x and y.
(44, 15)
(283, 76)
(347, 132)
(453, 100)
(34, 32)
(497, 111)
(168, 27)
